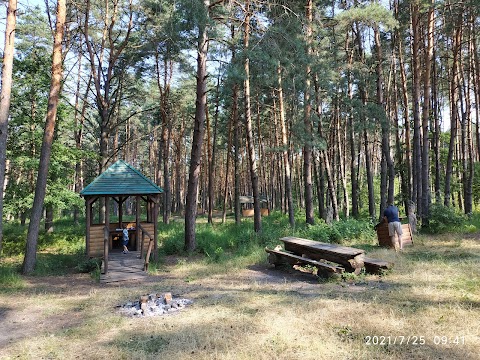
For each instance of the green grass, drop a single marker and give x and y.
(58, 252)
(10, 279)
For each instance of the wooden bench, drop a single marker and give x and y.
(384, 238)
(351, 259)
(277, 257)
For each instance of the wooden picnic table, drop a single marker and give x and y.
(351, 259)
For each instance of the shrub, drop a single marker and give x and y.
(89, 265)
(319, 232)
(337, 232)
(443, 219)
(351, 229)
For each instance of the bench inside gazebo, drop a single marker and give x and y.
(120, 184)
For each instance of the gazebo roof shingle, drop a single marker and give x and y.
(121, 179)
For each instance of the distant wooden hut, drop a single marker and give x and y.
(247, 206)
(120, 182)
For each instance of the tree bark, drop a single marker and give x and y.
(407, 179)
(388, 171)
(53, 98)
(198, 133)
(212, 156)
(285, 153)
(351, 138)
(426, 117)
(454, 98)
(416, 98)
(325, 158)
(257, 217)
(436, 133)
(236, 157)
(368, 162)
(5, 97)
(307, 148)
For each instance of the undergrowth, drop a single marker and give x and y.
(62, 251)
(221, 242)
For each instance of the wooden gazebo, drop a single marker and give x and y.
(120, 182)
(247, 206)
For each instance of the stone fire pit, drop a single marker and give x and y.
(154, 305)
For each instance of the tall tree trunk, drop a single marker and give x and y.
(53, 98)
(49, 218)
(167, 188)
(394, 111)
(325, 158)
(198, 133)
(472, 81)
(454, 98)
(211, 156)
(467, 146)
(209, 169)
(426, 117)
(369, 173)
(165, 123)
(236, 140)
(286, 156)
(179, 186)
(307, 148)
(227, 170)
(340, 141)
(78, 132)
(368, 162)
(5, 96)
(351, 138)
(416, 98)
(257, 217)
(320, 181)
(476, 85)
(407, 179)
(236, 157)
(436, 132)
(388, 171)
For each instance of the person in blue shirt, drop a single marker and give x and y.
(125, 239)
(390, 215)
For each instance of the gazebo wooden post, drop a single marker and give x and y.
(91, 211)
(156, 201)
(120, 211)
(147, 207)
(107, 219)
(137, 221)
(88, 220)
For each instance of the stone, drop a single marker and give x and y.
(167, 298)
(154, 305)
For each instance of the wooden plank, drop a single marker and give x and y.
(350, 258)
(297, 260)
(384, 238)
(374, 266)
(116, 277)
(323, 247)
(122, 267)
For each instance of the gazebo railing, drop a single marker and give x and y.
(150, 246)
(106, 235)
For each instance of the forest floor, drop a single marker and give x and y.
(427, 307)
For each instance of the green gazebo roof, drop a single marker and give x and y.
(121, 179)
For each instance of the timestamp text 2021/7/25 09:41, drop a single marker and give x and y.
(413, 340)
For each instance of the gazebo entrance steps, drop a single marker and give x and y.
(122, 267)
